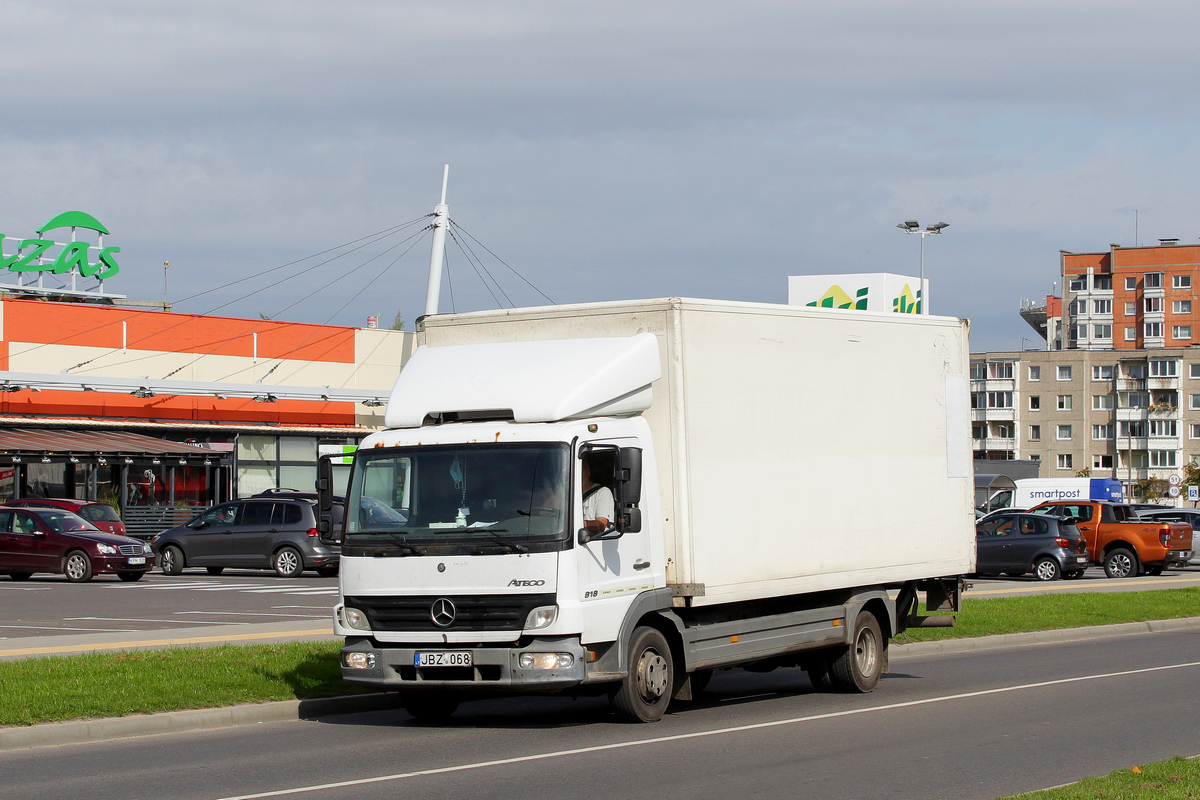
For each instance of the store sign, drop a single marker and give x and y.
(70, 260)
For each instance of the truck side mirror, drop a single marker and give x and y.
(325, 498)
(629, 476)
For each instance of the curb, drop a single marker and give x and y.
(98, 730)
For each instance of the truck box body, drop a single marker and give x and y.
(798, 450)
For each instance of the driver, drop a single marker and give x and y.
(599, 508)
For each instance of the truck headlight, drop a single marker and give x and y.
(356, 619)
(358, 660)
(541, 617)
(546, 660)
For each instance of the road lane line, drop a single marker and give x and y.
(54, 628)
(170, 621)
(88, 648)
(699, 734)
(254, 614)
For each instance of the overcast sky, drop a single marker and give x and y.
(603, 150)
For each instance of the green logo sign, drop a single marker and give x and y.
(836, 297)
(32, 256)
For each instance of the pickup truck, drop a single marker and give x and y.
(1125, 545)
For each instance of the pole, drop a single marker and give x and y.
(166, 266)
(437, 256)
(924, 300)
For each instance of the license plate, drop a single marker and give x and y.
(443, 658)
(138, 560)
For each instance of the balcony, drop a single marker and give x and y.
(993, 415)
(1132, 414)
(1163, 383)
(1132, 474)
(1125, 443)
(998, 443)
(1131, 384)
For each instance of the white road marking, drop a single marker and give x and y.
(182, 585)
(276, 589)
(253, 614)
(323, 608)
(56, 628)
(247, 588)
(171, 621)
(701, 734)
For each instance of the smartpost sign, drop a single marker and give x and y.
(44, 265)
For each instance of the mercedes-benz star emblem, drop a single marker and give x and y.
(442, 612)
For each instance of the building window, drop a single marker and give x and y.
(1102, 433)
(1064, 402)
(1002, 430)
(1130, 283)
(1064, 461)
(1063, 433)
(1154, 330)
(1035, 373)
(1135, 371)
(1102, 331)
(1034, 457)
(1181, 332)
(1035, 402)
(1163, 427)
(1035, 433)
(1079, 332)
(1153, 305)
(1194, 430)
(1181, 281)
(1194, 370)
(978, 371)
(1102, 462)
(1163, 369)
(999, 399)
(1102, 402)
(1076, 307)
(1000, 370)
(1079, 284)
(1131, 334)
(1135, 429)
(1102, 373)
(1181, 307)
(1102, 306)
(1102, 282)
(1194, 402)
(978, 399)
(1153, 280)
(1137, 400)
(1064, 372)
(1136, 460)
(1163, 458)
(1131, 309)
(978, 431)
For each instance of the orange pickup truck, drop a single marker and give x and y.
(1124, 544)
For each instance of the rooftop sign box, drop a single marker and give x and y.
(46, 266)
(864, 291)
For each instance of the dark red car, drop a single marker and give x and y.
(102, 515)
(55, 540)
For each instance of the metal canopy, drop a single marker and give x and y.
(18, 441)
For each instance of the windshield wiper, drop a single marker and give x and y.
(494, 533)
(403, 546)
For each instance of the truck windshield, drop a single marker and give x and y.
(506, 495)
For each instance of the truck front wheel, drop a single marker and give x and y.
(859, 667)
(1120, 563)
(643, 695)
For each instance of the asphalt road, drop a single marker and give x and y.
(48, 605)
(979, 725)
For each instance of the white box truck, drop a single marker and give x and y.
(622, 497)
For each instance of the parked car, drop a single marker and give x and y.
(266, 532)
(1000, 512)
(1014, 544)
(102, 515)
(55, 540)
(1141, 509)
(1189, 515)
(1120, 540)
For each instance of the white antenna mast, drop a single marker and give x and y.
(440, 219)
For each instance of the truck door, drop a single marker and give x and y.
(611, 569)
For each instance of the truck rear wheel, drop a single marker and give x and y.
(859, 667)
(1120, 563)
(643, 695)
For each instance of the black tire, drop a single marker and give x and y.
(77, 566)
(20, 576)
(858, 668)
(170, 560)
(287, 562)
(327, 572)
(1014, 574)
(214, 570)
(1120, 563)
(130, 577)
(643, 695)
(1046, 569)
(818, 673)
(1157, 569)
(430, 706)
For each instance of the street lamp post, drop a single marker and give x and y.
(912, 226)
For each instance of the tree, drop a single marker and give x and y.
(1151, 489)
(1086, 472)
(398, 322)
(1191, 474)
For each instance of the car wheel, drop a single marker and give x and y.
(130, 577)
(643, 695)
(215, 570)
(1120, 563)
(1047, 569)
(430, 706)
(327, 572)
(20, 576)
(77, 567)
(1157, 569)
(288, 562)
(171, 560)
(859, 667)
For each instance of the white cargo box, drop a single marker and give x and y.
(798, 449)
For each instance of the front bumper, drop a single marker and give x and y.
(109, 564)
(494, 668)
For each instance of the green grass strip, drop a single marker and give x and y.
(1176, 779)
(1048, 612)
(94, 685)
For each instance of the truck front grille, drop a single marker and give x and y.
(478, 612)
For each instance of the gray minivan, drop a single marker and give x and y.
(270, 532)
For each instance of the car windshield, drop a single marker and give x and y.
(498, 493)
(62, 521)
(100, 512)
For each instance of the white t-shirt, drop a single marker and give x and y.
(599, 504)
